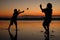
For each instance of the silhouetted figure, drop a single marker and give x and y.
(46, 35)
(48, 15)
(14, 18)
(11, 36)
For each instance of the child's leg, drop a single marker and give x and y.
(45, 28)
(44, 25)
(10, 25)
(15, 24)
(48, 27)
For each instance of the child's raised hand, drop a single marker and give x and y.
(40, 6)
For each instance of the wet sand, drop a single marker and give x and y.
(29, 30)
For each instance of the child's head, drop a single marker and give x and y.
(15, 10)
(49, 5)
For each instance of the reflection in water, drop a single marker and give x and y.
(46, 35)
(30, 30)
(11, 36)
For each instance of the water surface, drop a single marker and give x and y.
(29, 30)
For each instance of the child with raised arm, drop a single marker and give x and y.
(14, 18)
(48, 16)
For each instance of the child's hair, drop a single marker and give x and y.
(15, 10)
(49, 5)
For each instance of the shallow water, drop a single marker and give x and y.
(29, 30)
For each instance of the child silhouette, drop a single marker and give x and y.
(48, 15)
(14, 18)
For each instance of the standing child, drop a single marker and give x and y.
(48, 16)
(14, 18)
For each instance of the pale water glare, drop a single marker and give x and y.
(29, 30)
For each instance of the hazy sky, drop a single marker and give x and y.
(7, 6)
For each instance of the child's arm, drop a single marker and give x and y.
(43, 10)
(41, 6)
(20, 11)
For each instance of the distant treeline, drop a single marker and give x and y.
(27, 18)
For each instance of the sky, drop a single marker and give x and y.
(7, 7)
